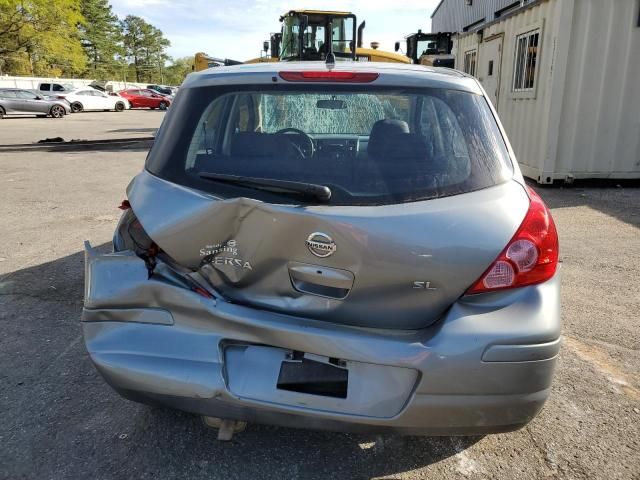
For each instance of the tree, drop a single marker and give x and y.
(101, 38)
(145, 45)
(40, 37)
(178, 70)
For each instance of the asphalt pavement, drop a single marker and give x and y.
(61, 421)
(81, 126)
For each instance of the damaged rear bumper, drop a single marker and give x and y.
(485, 367)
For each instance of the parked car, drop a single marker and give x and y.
(170, 96)
(345, 248)
(15, 101)
(163, 90)
(92, 99)
(144, 98)
(48, 88)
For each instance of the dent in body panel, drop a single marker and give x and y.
(448, 354)
(244, 248)
(185, 360)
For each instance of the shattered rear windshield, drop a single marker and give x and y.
(368, 145)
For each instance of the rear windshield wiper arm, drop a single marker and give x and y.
(308, 190)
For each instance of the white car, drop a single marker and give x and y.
(91, 99)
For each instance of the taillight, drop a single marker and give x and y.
(125, 205)
(530, 257)
(329, 76)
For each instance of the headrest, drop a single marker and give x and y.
(390, 139)
(251, 144)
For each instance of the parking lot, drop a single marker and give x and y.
(60, 420)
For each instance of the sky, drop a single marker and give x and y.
(236, 28)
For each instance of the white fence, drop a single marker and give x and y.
(32, 83)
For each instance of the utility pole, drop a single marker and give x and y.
(160, 66)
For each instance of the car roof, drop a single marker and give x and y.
(391, 74)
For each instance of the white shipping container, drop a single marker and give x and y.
(564, 76)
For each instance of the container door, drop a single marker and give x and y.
(490, 66)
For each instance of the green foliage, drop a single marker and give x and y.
(82, 38)
(101, 39)
(40, 37)
(145, 46)
(178, 70)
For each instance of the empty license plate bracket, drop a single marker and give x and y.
(313, 377)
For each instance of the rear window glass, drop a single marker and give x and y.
(369, 146)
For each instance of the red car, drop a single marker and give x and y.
(143, 98)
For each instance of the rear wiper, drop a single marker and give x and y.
(307, 190)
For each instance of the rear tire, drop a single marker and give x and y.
(57, 111)
(119, 107)
(76, 107)
(163, 106)
(2, 113)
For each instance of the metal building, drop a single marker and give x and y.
(465, 15)
(564, 76)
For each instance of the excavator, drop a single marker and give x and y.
(309, 35)
(432, 49)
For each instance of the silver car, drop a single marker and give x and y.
(347, 247)
(15, 101)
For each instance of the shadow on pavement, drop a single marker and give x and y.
(57, 144)
(63, 421)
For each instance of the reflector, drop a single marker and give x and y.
(501, 275)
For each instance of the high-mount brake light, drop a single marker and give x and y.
(530, 257)
(329, 76)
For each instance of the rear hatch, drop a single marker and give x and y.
(396, 266)
(421, 198)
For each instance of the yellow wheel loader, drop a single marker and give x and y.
(309, 35)
(432, 49)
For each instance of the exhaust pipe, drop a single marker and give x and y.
(360, 29)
